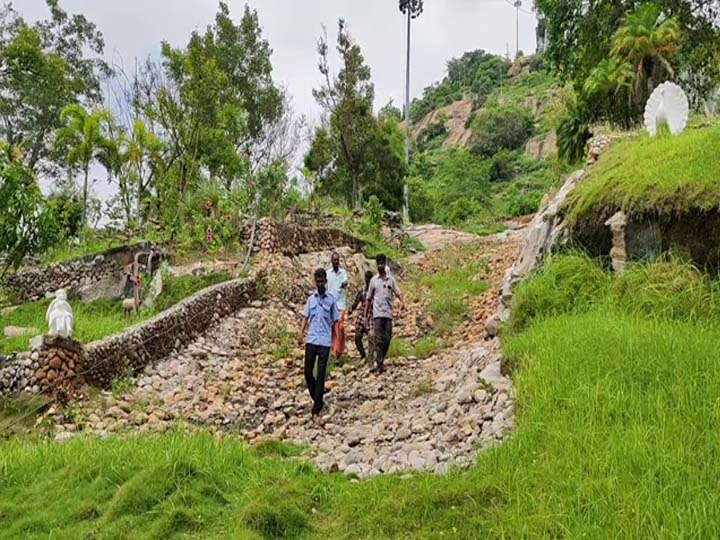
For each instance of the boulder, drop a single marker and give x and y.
(19, 331)
(110, 287)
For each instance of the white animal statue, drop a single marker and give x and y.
(668, 104)
(60, 316)
(129, 306)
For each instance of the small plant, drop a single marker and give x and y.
(422, 388)
(428, 346)
(399, 348)
(282, 341)
(122, 384)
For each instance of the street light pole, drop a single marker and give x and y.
(406, 190)
(518, 3)
(412, 9)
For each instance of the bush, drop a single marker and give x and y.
(523, 204)
(506, 128)
(460, 211)
(421, 204)
(574, 132)
(566, 283)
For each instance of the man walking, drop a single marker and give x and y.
(363, 324)
(337, 286)
(382, 291)
(321, 315)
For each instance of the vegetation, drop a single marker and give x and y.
(617, 445)
(355, 153)
(641, 174)
(102, 318)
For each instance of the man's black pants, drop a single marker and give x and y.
(383, 335)
(316, 386)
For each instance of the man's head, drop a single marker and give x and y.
(335, 260)
(380, 260)
(368, 277)
(321, 280)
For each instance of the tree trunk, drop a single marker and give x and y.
(85, 196)
(139, 195)
(355, 194)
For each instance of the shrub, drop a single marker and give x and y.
(574, 132)
(523, 204)
(506, 128)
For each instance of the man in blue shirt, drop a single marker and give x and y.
(321, 314)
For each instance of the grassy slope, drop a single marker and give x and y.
(616, 437)
(102, 318)
(639, 174)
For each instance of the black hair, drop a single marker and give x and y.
(381, 258)
(320, 273)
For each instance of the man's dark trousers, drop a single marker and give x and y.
(383, 335)
(316, 386)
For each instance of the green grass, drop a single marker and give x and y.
(660, 175)
(449, 288)
(428, 346)
(102, 318)
(616, 438)
(399, 348)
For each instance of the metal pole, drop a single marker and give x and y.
(406, 194)
(518, 3)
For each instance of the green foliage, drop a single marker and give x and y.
(584, 35)
(476, 73)
(26, 227)
(496, 129)
(399, 348)
(65, 211)
(121, 384)
(431, 137)
(574, 131)
(642, 174)
(178, 288)
(450, 288)
(428, 346)
(371, 221)
(357, 155)
(44, 67)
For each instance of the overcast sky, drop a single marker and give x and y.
(447, 28)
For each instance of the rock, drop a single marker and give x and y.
(353, 470)
(110, 287)
(480, 396)
(19, 331)
(403, 434)
(492, 327)
(64, 436)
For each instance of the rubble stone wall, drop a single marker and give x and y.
(291, 239)
(129, 351)
(33, 284)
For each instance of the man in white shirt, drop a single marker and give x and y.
(337, 283)
(382, 291)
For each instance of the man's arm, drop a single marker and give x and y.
(301, 337)
(369, 300)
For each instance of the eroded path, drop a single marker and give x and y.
(245, 377)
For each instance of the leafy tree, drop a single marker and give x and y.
(354, 153)
(581, 34)
(43, 68)
(83, 139)
(25, 227)
(140, 150)
(495, 129)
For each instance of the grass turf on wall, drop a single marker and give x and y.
(641, 174)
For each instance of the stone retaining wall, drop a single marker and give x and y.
(130, 350)
(35, 283)
(173, 329)
(290, 239)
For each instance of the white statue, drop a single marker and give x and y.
(668, 105)
(60, 316)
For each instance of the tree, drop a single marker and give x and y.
(647, 42)
(506, 128)
(354, 154)
(140, 151)
(581, 34)
(24, 225)
(43, 68)
(347, 99)
(83, 139)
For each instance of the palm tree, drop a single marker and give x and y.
(82, 138)
(647, 41)
(141, 146)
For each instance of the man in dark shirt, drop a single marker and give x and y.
(321, 314)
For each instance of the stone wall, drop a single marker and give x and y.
(86, 272)
(291, 239)
(171, 330)
(130, 350)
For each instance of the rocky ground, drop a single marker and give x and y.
(244, 376)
